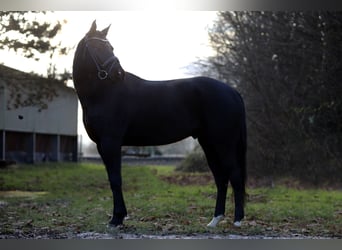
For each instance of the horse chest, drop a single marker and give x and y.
(99, 123)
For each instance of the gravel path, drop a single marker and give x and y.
(119, 235)
(193, 236)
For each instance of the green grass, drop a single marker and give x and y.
(71, 198)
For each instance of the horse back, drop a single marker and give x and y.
(160, 112)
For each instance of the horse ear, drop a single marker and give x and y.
(105, 31)
(93, 27)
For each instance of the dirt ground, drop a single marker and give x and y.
(179, 179)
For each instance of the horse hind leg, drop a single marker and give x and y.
(239, 193)
(232, 170)
(220, 205)
(219, 214)
(237, 182)
(221, 181)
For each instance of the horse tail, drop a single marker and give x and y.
(242, 152)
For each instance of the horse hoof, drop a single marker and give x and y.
(116, 222)
(115, 226)
(215, 221)
(115, 229)
(237, 223)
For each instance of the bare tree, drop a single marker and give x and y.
(287, 65)
(30, 34)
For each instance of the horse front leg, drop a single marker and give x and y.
(110, 152)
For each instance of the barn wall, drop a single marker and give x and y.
(59, 118)
(2, 105)
(32, 147)
(30, 135)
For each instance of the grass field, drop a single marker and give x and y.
(62, 200)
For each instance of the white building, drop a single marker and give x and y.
(38, 118)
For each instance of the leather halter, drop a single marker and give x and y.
(102, 69)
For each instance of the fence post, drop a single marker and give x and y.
(2, 145)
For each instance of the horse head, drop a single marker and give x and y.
(94, 57)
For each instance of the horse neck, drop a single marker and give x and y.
(84, 79)
(86, 90)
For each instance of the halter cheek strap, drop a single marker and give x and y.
(102, 73)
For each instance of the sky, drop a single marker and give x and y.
(155, 45)
(151, 44)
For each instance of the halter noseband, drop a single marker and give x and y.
(102, 73)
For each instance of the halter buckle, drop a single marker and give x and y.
(102, 74)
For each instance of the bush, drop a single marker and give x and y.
(194, 162)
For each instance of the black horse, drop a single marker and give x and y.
(120, 108)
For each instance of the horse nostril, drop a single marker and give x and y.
(20, 117)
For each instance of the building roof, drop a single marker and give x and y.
(30, 103)
(28, 89)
